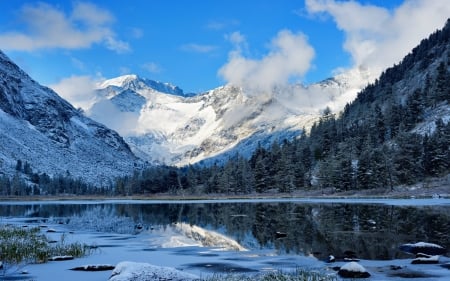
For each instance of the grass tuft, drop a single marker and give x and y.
(19, 246)
(297, 275)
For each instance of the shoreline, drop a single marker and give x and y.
(398, 193)
(433, 188)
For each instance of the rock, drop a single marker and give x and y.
(353, 270)
(127, 271)
(424, 248)
(425, 259)
(94, 267)
(395, 267)
(330, 259)
(279, 234)
(61, 258)
(348, 257)
(408, 273)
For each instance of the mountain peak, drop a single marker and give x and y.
(120, 81)
(135, 83)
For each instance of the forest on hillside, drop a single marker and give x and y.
(396, 131)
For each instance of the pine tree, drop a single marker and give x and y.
(19, 165)
(364, 174)
(442, 81)
(407, 158)
(260, 174)
(438, 149)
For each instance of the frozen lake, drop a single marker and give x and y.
(243, 236)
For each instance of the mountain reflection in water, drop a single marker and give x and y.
(365, 231)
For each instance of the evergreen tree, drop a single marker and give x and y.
(442, 92)
(438, 149)
(407, 158)
(19, 165)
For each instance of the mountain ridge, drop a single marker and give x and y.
(41, 128)
(164, 128)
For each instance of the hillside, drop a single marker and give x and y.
(40, 129)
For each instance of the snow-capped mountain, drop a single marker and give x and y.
(39, 127)
(162, 125)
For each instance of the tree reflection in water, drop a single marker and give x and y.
(367, 231)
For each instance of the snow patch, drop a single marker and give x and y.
(128, 271)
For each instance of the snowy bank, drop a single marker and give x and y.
(127, 271)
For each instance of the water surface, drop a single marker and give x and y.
(284, 233)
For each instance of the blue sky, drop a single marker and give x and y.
(200, 45)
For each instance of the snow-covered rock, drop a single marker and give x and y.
(425, 259)
(423, 248)
(353, 270)
(130, 271)
(39, 127)
(93, 267)
(61, 258)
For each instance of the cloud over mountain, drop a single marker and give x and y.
(289, 56)
(377, 37)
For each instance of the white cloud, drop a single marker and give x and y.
(46, 26)
(137, 32)
(108, 114)
(78, 63)
(221, 24)
(198, 48)
(152, 67)
(377, 37)
(78, 90)
(289, 57)
(236, 38)
(118, 46)
(124, 70)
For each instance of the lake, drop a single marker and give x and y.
(243, 236)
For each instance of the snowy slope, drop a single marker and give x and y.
(38, 126)
(162, 125)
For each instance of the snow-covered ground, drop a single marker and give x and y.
(196, 250)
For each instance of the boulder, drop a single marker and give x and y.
(330, 259)
(127, 271)
(61, 258)
(424, 248)
(425, 259)
(353, 270)
(94, 267)
(280, 234)
(345, 258)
